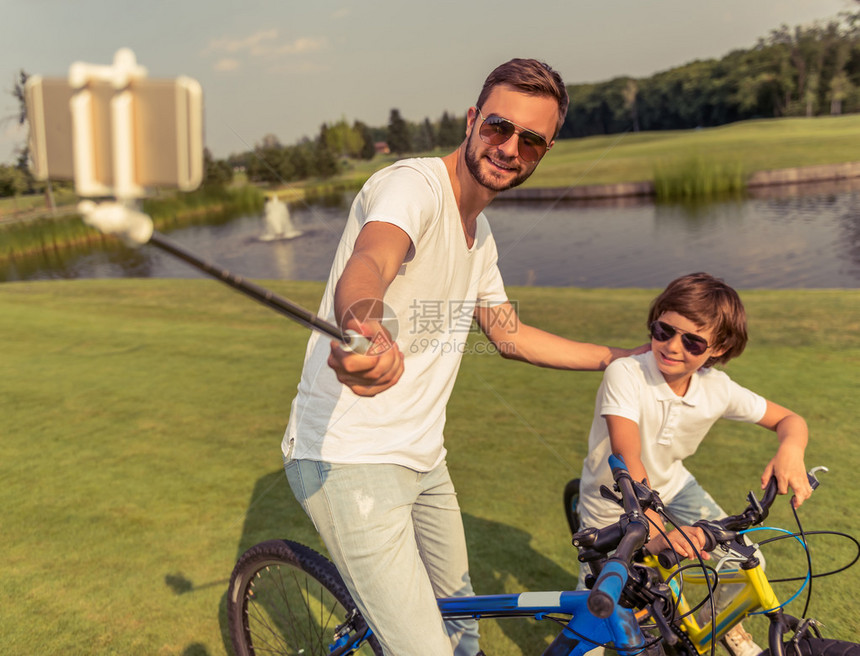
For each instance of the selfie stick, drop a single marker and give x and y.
(116, 133)
(136, 229)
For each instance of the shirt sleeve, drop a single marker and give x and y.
(405, 197)
(620, 390)
(744, 404)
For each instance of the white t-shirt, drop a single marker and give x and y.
(433, 298)
(670, 427)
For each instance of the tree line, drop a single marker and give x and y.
(805, 71)
(337, 143)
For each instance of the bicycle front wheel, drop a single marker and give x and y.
(285, 598)
(819, 647)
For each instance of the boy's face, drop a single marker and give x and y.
(674, 359)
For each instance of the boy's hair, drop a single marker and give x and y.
(532, 77)
(710, 303)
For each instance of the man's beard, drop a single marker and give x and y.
(473, 163)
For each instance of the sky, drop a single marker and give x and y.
(285, 67)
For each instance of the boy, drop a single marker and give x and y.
(654, 409)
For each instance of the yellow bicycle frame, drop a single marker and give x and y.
(755, 593)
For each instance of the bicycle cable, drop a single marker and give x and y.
(822, 574)
(808, 560)
(627, 651)
(806, 579)
(699, 565)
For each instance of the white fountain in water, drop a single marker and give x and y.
(277, 221)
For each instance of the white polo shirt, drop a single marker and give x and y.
(671, 427)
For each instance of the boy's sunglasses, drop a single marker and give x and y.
(496, 130)
(663, 332)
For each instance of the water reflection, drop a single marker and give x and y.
(788, 242)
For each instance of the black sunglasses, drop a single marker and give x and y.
(496, 130)
(663, 332)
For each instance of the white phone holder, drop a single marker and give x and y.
(116, 132)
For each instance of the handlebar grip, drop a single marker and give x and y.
(710, 540)
(770, 492)
(607, 590)
(667, 559)
(617, 462)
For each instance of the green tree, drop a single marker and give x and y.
(368, 146)
(631, 91)
(423, 136)
(270, 162)
(324, 160)
(398, 133)
(12, 181)
(217, 174)
(451, 131)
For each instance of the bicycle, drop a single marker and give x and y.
(286, 598)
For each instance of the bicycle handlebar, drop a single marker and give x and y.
(725, 530)
(607, 590)
(631, 532)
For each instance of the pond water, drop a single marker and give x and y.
(802, 241)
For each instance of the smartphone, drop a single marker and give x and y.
(117, 141)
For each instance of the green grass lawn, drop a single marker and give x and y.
(140, 452)
(755, 145)
(633, 156)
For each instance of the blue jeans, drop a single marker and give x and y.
(396, 536)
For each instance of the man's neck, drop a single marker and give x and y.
(472, 198)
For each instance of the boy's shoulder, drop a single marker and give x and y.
(638, 362)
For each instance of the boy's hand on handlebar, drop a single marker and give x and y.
(790, 472)
(681, 544)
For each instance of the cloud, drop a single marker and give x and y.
(233, 46)
(300, 46)
(226, 64)
(265, 44)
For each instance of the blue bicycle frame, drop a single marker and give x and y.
(620, 628)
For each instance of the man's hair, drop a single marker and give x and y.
(532, 77)
(710, 303)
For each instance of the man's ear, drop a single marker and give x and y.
(471, 117)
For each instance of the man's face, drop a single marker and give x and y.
(501, 167)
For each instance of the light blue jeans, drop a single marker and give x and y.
(396, 536)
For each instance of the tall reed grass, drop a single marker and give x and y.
(698, 178)
(45, 234)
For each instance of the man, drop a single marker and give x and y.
(364, 449)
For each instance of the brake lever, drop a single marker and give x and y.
(646, 497)
(606, 493)
(662, 625)
(813, 479)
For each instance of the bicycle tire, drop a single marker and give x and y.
(819, 647)
(571, 499)
(285, 598)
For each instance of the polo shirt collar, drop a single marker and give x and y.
(664, 392)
